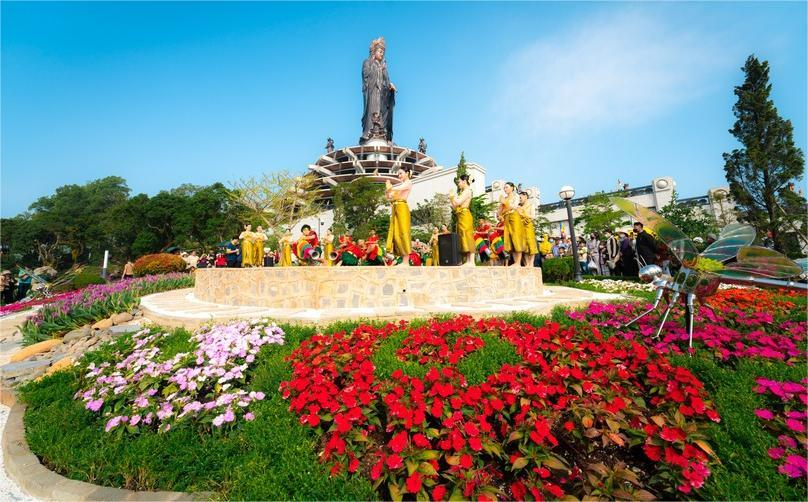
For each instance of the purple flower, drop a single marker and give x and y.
(94, 405)
(249, 416)
(776, 453)
(112, 423)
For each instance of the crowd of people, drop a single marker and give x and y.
(14, 288)
(620, 253)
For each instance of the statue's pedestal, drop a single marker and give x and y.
(376, 142)
(364, 287)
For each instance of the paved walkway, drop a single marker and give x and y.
(180, 308)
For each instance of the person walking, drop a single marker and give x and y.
(231, 253)
(646, 246)
(8, 286)
(593, 248)
(128, 270)
(628, 262)
(612, 253)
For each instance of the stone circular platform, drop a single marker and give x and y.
(181, 308)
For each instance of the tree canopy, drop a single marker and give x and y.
(761, 170)
(357, 208)
(690, 219)
(78, 222)
(599, 215)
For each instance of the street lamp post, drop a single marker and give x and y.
(567, 193)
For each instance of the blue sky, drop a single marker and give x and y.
(545, 94)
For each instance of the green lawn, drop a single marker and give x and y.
(274, 457)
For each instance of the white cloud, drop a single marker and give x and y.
(610, 70)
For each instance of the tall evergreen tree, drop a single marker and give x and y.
(462, 168)
(760, 171)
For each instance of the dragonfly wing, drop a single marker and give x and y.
(803, 264)
(764, 262)
(680, 244)
(731, 239)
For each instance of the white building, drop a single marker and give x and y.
(657, 195)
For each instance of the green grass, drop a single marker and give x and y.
(746, 472)
(476, 367)
(274, 457)
(645, 295)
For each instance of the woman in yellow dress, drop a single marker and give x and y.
(399, 242)
(528, 214)
(514, 228)
(286, 249)
(247, 240)
(465, 223)
(433, 244)
(328, 248)
(259, 238)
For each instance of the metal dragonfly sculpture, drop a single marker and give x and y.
(730, 259)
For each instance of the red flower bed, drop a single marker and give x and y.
(581, 415)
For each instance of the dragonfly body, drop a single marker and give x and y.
(730, 259)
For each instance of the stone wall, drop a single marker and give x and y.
(364, 287)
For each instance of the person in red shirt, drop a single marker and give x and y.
(482, 241)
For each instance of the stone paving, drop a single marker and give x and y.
(181, 308)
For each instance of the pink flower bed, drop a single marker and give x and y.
(786, 416)
(748, 334)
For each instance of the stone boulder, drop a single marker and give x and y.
(48, 272)
(77, 334)
(103, 324)
(37, 348)
(121, 318)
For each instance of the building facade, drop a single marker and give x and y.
(716, 203)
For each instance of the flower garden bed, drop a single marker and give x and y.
(523, 407)
(72, 310)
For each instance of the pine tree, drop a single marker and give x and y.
(461, 165)
(760, 171)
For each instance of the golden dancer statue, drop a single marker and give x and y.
(514, 235)
(247, 243)
(528, 214)
(286, 249)
(398, 237)
(259, 238)
(465, 223)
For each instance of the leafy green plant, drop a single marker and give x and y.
(557, 269)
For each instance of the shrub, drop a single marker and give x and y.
(160, 263)
(557, 269)
(85, 278)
